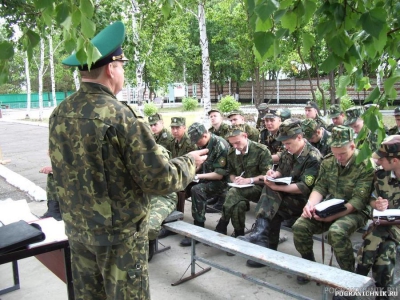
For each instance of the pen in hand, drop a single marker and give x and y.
(241, 174)
(236, 178)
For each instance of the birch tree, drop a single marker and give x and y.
(28, 86)
(51, 62)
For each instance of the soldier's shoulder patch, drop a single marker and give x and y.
(222, 161)
(309, 180)
(363, 191)
(164, 135)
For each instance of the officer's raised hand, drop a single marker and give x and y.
(199, 156)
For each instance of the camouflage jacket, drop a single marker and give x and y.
(105, 165)
(268, 139)
(256, 161)
(163, 138)
(322, 145)
(394, 130)
(372, 138)
(181, 148)
(330, 127)
(222, 130)
(352, 183)
(216, 157)
(387, 186)
(321, 122)
(252, 133)
(303, 168)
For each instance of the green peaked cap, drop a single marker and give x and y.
(108, 42)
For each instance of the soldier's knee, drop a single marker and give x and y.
(336, 233)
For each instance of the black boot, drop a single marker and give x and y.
(303, 280)
(361, 270)
(152, 249)
(165, 232)
(383, 296)
(217, 207)
(186, 242)
(257, 230)
(222, 226)
(53, 210)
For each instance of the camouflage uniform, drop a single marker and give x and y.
(268, 139)
(256, 161)
(278, 206)
(181, 148)
(106, 163)
(394, 130)
(380, 244)
(351, 183)
(222, 130)
(334, 111)
(310, 128)
(252, 133)
(205, 189)
(321, 122)
(163, 138)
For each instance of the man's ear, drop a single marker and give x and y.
(109, 70)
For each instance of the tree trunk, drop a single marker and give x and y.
(76, 79)
(40, 79)
(332, 88)
(257, 98)
(28, 86)
(51, 61)
(205, 58)
(308, 74)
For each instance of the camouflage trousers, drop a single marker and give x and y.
(379, 253)
(237, 203)
(339, 232)
(200, 193)
(118, 272)
(160, 208)
(277, 207)
(51, 188)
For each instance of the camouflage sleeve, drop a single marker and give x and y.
(231, 163)
(265, 162)
(362, 187)
(308, 176)
(322, 182)
(147, 165)
(220, 163)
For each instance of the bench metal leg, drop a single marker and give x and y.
(193, 264)
(16, 285)
(164, 248)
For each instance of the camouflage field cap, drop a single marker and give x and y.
(396, 111)
(289, 129)
(234, 130)
(352, 114)
(196, 131)
(272, 113)
(213, 110)
(285, 114)
(262, 106)
(390, 147)
(108, 42)
(235, 112)
(309, 127)
(178, 121)
(341, 135)
(335, 110)
(154, 118)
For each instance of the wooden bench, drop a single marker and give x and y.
(323, 274)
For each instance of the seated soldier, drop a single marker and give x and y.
(180, 144)
(237, 118)
(262, 109)
(312, 112)
(212, 175)
(337, 116)
(161, 134)
(396, 128)
(316, 135)
(248, 161)
(378, 250)
(218, 127)
(339, 177)
(300, 161)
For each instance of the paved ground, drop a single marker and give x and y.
(26, 146)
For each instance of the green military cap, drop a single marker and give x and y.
(272, 113)
(390, 147)
(108, 42)
(235, 112)
(352, 114)
(234, 130)
(285, 114)
(288, 129)
(178, 121)
(335, 110)
(154, 118)
(340, 136)
(396, 111)
(262, 106)
(309, 127)
(213, 110)
(312, 104)
(196, 131)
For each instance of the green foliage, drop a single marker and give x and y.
(346, 102)
(227, 104)
(189, 104)
(150, 109)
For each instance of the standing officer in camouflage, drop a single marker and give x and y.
(300, 161)
(262, 109)
(105, 164)
(212, 175)
(380, 244)
(395, 129)
(247, 163)
(272, 120)
(161, 134)
(312, 112)
(218, 127)
(342, 178)
(316, 135)
(337, 116)
(354, 120)
(180, 144)
(236, 117)
(53, 207)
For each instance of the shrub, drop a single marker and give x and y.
(189, 104)
(227, 104)
(346, 102)
(150, 109)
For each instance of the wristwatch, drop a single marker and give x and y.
(196, 177)
(251, 180)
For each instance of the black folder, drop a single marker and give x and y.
(18, 235)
